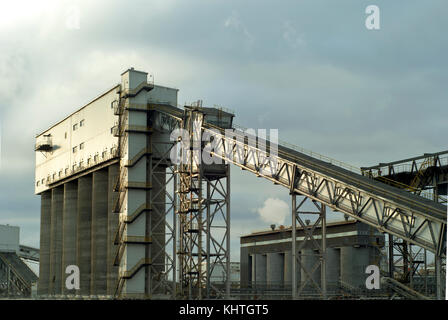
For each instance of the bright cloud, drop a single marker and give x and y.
(274, 210)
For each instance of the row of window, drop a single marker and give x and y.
(80, 165)
(75, 148)
(75, 126)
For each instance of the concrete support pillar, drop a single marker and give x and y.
(309, 258)
(112, 222)
(353, 264)
(287, 272)
(83, 253)
(294, 246)
(333, 267)
(274, 269)
(70, 213)
(259, 270)
(45, 243)
(98, 283)
(288, 275)
(57, 201)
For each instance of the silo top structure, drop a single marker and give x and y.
(85, 139)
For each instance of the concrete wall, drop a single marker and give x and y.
(70, 228)
(57, 201)
(84, 233)
(275, 266)
(98, 285)
(45, 243)
(354, 261)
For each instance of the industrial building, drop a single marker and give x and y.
(139, 224)
(17, 279)
(351, 246)
(80, 178)
(103, 175)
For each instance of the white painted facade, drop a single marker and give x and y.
(85, 138)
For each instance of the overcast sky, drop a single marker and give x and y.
(309, 68)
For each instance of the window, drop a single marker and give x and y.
(75, 149)
(103, 155)
(81, 146)
(65, 135)
(75, 126)
(81, 164)
(37, 183)
(54, 176)
(88, 161)
(60, 173)
(95, 158)
(81, 123)
(42, 181)
(74, 167)
(66, 171)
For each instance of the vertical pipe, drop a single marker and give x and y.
(323, 267)
(84, 233)
(438, 266)
(404, 248)
(228, 231)
(98, 284)
(411, 272)
(207, 266)
(293, 248)
(45, 243)
(70, 213)
(426, 272)
(175, 177)
(391, 256)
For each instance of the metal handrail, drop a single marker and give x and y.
(309, 152)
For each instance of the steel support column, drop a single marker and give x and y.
(312, 252)
(204, 214)
(293, 247)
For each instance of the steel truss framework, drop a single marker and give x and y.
(11, 283)
(413, 222)
(204, 215)
(409, 219)
(423, 173)
(316, 249)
